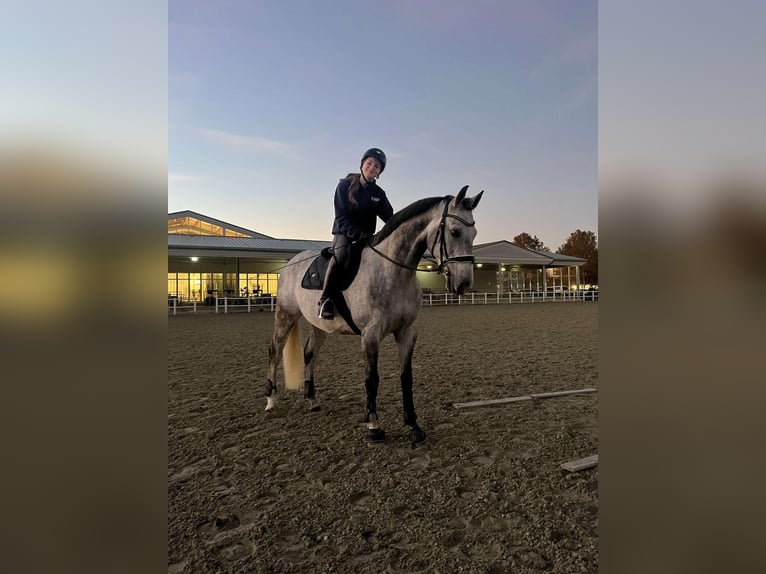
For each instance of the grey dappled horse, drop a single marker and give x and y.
(383, 298)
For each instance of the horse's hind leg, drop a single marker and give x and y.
(310, 351)
(405, 341)
(283, 324)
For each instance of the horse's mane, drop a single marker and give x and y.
(405, 214)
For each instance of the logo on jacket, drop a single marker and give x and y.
(375, 198)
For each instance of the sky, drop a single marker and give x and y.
(271, 102)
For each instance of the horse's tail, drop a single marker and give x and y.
(292, 360)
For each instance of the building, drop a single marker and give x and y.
(209, 258)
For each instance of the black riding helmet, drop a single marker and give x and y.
(377, 154)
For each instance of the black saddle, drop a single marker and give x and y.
(315, 274)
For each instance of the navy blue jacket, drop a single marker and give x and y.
(358, 221)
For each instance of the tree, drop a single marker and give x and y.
(524, 239)
(583, 244)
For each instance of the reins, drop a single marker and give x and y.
(443, 256)
(440, 236)
(384, 256)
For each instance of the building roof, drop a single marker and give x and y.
(505, 252)
(560, 260)
(179, 220)
(213, 246)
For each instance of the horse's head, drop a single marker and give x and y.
(452, 243)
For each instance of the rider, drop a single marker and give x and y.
(358, 203)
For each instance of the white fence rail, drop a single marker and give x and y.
(223, 305)
(240, 304)
(431, 299)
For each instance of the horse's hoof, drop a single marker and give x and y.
(376, 436)
(417, 435)
(315, 409)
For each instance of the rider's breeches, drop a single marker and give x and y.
(341, 246)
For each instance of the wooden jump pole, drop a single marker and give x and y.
(491, 402)
(580, 463)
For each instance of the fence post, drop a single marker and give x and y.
(175, 302)
(248, 304)
(195, 306)
(216, 304)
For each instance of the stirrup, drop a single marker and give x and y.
(326, 309)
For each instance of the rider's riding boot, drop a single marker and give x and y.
(326, 305)
(326, 309)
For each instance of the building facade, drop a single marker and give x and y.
(209, 258)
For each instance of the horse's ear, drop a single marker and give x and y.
(472, 202)
(460, 196)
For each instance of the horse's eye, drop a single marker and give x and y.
(455, 232)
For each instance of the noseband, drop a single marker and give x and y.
(444, 258)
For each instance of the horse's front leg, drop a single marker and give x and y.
(370, 345)
(405, 341)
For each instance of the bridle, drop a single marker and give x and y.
(444, 258)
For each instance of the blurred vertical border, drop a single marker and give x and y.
(682, 209)
(83, 182)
